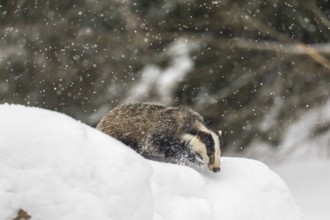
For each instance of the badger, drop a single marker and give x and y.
(167, 134)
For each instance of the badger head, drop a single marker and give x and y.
(206, 145)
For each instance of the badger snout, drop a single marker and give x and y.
(214, 168)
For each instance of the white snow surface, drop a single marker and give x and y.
(54, 168)
(309, 181)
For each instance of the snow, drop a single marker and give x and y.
(309, 181)
(307, 138)
(300, 136)
(57, 168)
(179, 193)
(252, 191)
(302, 159)
(54, 167)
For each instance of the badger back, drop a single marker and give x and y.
(152, 128)
(130, 123)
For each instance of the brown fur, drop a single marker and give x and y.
(154, 130)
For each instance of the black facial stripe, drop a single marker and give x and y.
(207, 139)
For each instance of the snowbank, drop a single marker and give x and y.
(309, 181)
(54, 168)
(57, 168)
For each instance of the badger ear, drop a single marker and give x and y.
(220, 133)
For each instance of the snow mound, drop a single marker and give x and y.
(179, 193)
(248, 189)
(244, 189)
(310, 181)
(54, 167)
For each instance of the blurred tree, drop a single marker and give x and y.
(257, 64)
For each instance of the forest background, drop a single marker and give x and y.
(253, 69)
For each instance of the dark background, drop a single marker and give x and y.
(255, 66)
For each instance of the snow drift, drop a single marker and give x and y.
(54, 167)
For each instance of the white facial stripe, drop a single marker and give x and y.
(197, 146)
(200, 148)
(217, 150)
(216, 142)
(187, 137)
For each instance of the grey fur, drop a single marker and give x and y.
(155, 131)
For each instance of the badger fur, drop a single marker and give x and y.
(171, 134)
